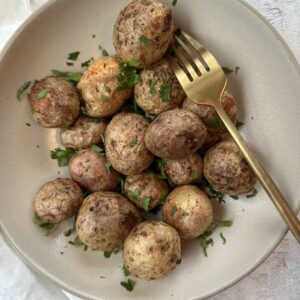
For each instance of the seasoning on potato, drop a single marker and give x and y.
(124, 144)
(98, 86)
(146, 190)
(152, 250)
(226, 169)
(105, 219)
(143, 31)
(189, 210)
(175, 134)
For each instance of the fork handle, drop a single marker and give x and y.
(266, 181)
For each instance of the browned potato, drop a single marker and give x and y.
(159, 89)
(188, 210)
(226, 169)
(125, 145)
(98, 87)
(186, 170)
(92, 171)
(152, 250)
(146, 190)
(143, 31)
(175, 134)
(84, 133)
(210, 118)
(58, 200)
(105, 219)
(54, 102)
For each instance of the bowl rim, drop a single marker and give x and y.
(9, 241)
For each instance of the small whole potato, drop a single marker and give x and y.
(185, 170)
(175, 134)
(226, 169)
(105, 219)
(57, 200)
(98, 87)
(189, 210)
(143, 31)
(146, 190)
(92, 171)
(210, 117)
(54, 102)
(152, 250)
(159, 89)
(125, 145)
(84, 133)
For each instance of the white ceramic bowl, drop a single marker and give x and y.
(266, 87)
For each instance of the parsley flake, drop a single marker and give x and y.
(128, 76)
(216, 122)
(146, 203)
(221, 223)
(125, 271)
(77, 242)
(73, 76)
(73, 56)
(22, 89)
(222, 237)
(129, 285)
(63, 156)
(46, 227)
(145, 40)
(42, 94)
(97, 150)
(122, 183)
(234, 197)
(104, 53)
(227, 70)
(253, 193)
(105, 98)
(107, 254)
(239, 124)
(68, 232)
(236, 69)
(153, 84)
(107, 166)
(174, 2)
(194, 174)
(134, 193)
(133, 142)
(165, 92)
(86, 63)
(173, 211)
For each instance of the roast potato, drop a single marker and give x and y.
(175, 134)
(209, 116)
(57, 200)
(98, 87)
(143, 31)
(92, 171)
(54, 102)
(159, 89)
(152, 250)
(105, 219)
(185, 170)
(84, 133)
(189, 210)
(125, 145)
(146, 190)
(226, 169)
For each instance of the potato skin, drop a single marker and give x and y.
(186, 170)
(100, 80)
(89, 169)
(54, 102)
(57, 200)
(175, 134)
(149, 18)
(84, 133)
(150, 100)
(152, 250)
(145, 185)
(207, 114)
(226, 169)
(105, 219)
(125, 145)
(189, 210)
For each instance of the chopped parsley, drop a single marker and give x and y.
(107, 254)
(125, 271)
(145, 40)
(73, 76)
(216, 122)
(236, 69)
(102, 138)
(63, 156)
(239, 124)
(146, 203)
(133, 142)
(77, 242)
(134, 194)
(222, 237)
(212, 192)
(42, 94)
(73, 56)
(174, 2)
(122, 183)
(69, 232)
(107, 166)
(70, 64)
(28, 124)
(185, 214)
(173, 211)
(129, 285)
(227, 70)
(205, 242)
(62, 191)
(161, 166)
(104, 98)
(194, 174)
(107, 89)
(104, 53)
(97, 150)
(86, 63)
(253, 193)
(22, 89)
(153, 84)
(128, 76)
(165, 92)
(234, 197)
(221, 223)
(46, 227)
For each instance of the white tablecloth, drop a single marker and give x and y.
(277, 278)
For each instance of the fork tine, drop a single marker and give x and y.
(193, 56)
(179, 53)
(179, 72)
(208, 58)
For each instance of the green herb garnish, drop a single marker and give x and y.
(129, 285)
(97, 150)
(77, 242)
(239, 124)
(204, 242)
(28, 124)
(107, 166)
(153, 84)
(194, 174)
(145, 40)
(73, 76)
(69, 232)
(86, 63)
(146, 203)
(236, 69)
(46, 227)
(125, 271)
(134, 194)
(105, 98)
(74, 55)
(128, 76)
(174, 2)
(22, 89)
(185, 214)
(107, 89)
(63, 156)
(221, 223)
(222, 237)
(173, 211)
(227, 70)
(253, 193)
(122, 183)
(42, 94)
(216, 122)
(234, 197)
(165, 92)
(133, 142)
(70, 64)
(104, 53)
(107, 254)
(162, 165)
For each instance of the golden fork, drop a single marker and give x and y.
(204, 82)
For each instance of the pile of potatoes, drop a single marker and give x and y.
(110, 219)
